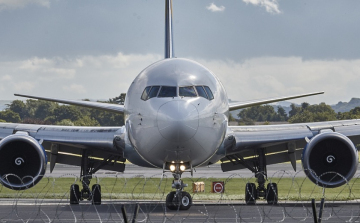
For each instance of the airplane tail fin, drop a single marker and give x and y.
(169, 51)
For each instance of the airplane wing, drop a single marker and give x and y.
(65, 144)
(239, 105)
(89, 104)
(281, 143)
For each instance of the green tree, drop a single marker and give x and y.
(352, 114)
(282, 116)
(294, 110)
(314, 113)
(118, 100)
(10, 116)
(19, 107)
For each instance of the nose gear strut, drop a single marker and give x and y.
(179, 199)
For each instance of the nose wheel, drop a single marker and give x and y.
(179, 199)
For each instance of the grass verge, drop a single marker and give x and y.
(292, 189)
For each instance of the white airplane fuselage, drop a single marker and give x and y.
(176, 129)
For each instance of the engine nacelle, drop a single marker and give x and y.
(22, 161)
(330, 159)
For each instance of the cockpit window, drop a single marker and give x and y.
(209, 93)
(154, 91)
(201, 92)
(171, 91)
(187, 91)
(167, 91)
(145, 94)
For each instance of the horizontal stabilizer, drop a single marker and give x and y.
(239, 105)
(89, 104)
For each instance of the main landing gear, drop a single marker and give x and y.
(179, 199)
(252, 193)
(88, 168)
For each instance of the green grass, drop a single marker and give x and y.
(291, 189)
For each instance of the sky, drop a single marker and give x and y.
(258, 48)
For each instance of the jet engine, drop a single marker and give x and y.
(22, 161)
(330, 159)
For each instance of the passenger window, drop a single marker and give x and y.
(145, 94)
(167, 91)
(154, 91)
(201, 92)
(188, 91)
(209, 93)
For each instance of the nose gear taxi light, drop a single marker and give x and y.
(172, 167)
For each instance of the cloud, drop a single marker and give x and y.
(271, 6)
(214, 8)
(106, 76)
(77, 88)
(13, 4)
(266, 77)
(93, 77)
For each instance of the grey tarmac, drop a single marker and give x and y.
(213, 171)
(110, 211)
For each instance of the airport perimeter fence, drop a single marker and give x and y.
(142, 199)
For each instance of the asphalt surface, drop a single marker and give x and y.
(55, 211)
(213, 171)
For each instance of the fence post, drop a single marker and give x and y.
(321, 209)
(136, 211)
(123, 210)
(313, 204)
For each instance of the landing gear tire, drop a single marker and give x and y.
(272, 193)
(250, 193)
(186, 201)
(170, 204)
(96, 194)
(182, 202)
(74, 194)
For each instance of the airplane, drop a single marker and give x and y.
(176, 119)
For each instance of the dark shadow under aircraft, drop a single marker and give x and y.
(176, 118)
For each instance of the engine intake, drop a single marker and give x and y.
(22, 161)
(330, 159)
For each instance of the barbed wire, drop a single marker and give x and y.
(48, 201)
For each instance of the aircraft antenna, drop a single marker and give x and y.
(169, 51)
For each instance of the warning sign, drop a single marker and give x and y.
(218, 187)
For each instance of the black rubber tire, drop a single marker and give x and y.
(250, 193)
(186, 201)
(74, 194)
(272, 193)
(96, 194)
(170, 204)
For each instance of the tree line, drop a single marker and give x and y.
(297, 114)
(52, 113)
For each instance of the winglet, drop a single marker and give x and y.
(169, 50)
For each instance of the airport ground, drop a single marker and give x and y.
(213, 171)
(55, 211)
(58, 210)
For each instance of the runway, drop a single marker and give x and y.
(213, 171)
(110, 211)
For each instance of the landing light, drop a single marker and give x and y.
(172, 168)
(182, 167)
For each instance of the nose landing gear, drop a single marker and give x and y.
(179, 199)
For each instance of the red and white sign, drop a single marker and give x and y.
(218, 187)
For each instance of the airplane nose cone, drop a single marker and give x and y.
(178, 120)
